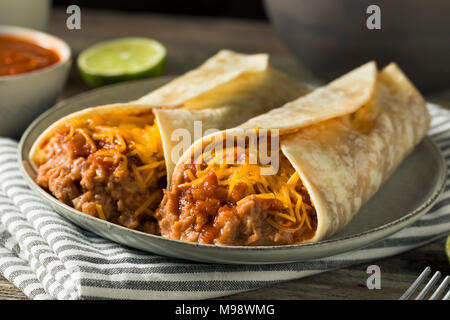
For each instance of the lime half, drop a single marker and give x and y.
(120, 60)
(447, 248)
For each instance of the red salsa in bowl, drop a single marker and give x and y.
(18, 56)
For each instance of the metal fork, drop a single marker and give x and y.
(423, 276)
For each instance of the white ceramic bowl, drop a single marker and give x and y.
(24, 96)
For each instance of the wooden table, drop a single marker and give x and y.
(189, 42)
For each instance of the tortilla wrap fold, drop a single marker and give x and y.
(343, 140)
(109, 161)
(249, 95)
(228, 82)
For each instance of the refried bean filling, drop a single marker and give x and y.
(108, 167)
(234, 204)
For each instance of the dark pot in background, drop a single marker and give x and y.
(330, 37)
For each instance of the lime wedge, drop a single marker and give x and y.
(120, 60)
(447, 248)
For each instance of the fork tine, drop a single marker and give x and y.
(447, 296)
(428, 286)
(416, 283)
(441, 288)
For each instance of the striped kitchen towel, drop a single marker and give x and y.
(47, 257)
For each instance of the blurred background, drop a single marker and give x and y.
(315, 41)
(330, 37)
(251, 9)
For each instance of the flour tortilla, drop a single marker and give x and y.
(344, 139)
(226, 83)
(228, 106)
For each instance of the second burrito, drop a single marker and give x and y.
(333, 149)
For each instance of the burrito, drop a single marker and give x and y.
(112, 161)
(299, 173)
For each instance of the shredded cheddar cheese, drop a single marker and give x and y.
(100, 212)
(130, 143)
(283, 186)
(88, 138)
(154, 196)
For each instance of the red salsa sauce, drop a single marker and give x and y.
(19, 56)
